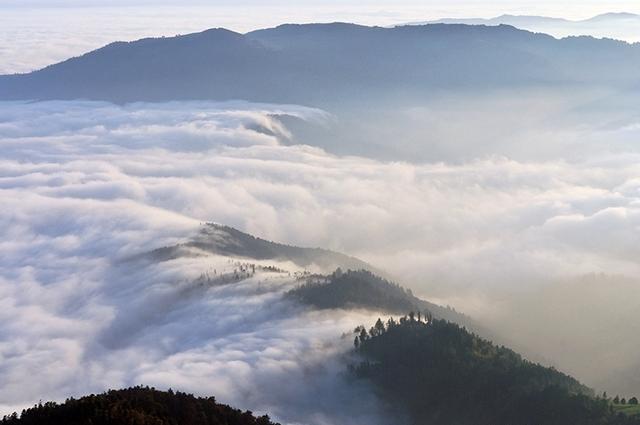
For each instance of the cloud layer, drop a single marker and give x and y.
(80, 315)
(86, 186)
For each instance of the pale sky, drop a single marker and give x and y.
(251, 12)
(527, 4)
(35, 33)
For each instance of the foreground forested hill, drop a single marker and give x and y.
(442, 374)
(136, 406)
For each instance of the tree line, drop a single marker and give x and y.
(443, 374)
(136, 406)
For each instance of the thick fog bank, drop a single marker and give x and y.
(545, 250)
(532, 123)
(85, 188)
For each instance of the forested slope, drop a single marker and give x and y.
(443, 375)
(136, 406)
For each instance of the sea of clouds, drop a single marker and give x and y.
(85, 189)
(536, 249)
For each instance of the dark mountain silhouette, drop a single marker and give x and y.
(327, 64)
(219, 63)
(444, 375)
(136, 406)
(227, 241)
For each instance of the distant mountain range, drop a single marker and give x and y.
(516, 20)
(621, 26)
(331, 65)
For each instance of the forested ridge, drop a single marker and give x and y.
(444, 375)
(227, 241)
(136, 406)
(354, 288)
(364, 289)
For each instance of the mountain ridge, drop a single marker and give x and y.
(615, 25)
(505, 16)
(320, 64)
(214, 238)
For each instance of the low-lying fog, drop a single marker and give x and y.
(527, 222)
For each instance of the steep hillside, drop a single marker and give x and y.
(444, 375)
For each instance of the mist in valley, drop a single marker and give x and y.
(487, 169)
(542, 250)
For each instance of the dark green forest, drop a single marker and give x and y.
(363, 289)
(136, 406)
(436, 371)
(444, 375)
(354, 289)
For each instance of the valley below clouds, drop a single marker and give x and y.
(87, 187)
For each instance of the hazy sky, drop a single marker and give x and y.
(359, 9)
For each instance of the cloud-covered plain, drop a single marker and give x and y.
(87, 186)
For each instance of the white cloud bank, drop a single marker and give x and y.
(79, 316)
(84, 186)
